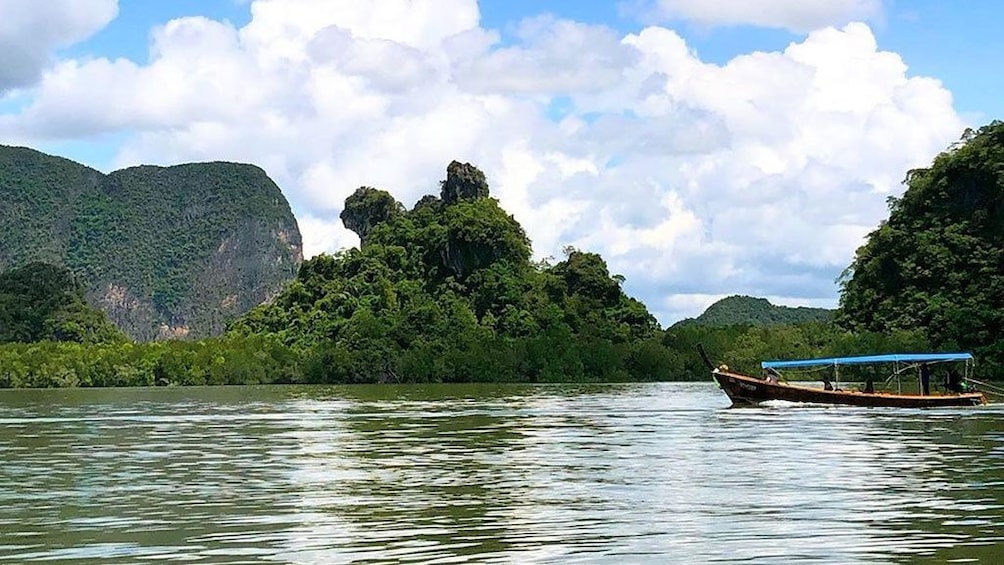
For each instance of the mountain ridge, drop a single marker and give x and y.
(749, 310)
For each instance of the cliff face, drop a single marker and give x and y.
(166, 252)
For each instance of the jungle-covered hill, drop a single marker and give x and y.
(164, 251)
(929, 278)
(446, 291)
(937, 264)
(747, 310)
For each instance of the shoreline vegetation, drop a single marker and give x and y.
(446, 292)
(257, 359)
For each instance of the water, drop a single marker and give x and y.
(661, 473)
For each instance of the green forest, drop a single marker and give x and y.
(446, 292)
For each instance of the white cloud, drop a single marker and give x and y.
(793, 15)
(31, 30)
(322, 235)
(553, 56)
(286, 27)
(760, 176)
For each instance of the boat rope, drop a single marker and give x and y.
(993, 389)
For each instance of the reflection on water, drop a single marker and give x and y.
(614, 473)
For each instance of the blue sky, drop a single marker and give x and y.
(705, 149)
(128, 35)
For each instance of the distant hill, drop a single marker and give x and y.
(734, 310)
(164, 251)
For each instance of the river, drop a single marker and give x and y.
(634, 473)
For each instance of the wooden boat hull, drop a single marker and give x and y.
(744, 390)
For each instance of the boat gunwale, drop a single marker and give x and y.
(843, 392)
(776, 391)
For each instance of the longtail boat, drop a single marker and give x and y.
(744, 390)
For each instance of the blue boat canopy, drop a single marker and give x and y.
(863, 359)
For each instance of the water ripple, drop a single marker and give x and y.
(492, 474)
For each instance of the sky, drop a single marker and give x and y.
(704, 149)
